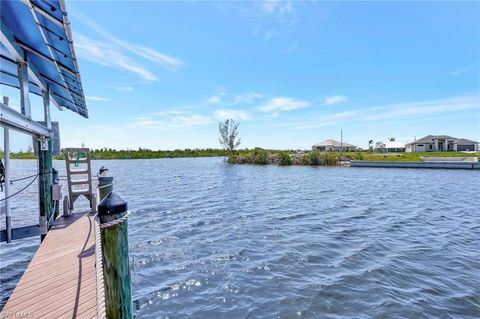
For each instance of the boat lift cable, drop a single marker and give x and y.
(2, 175)
(22, 178)
(14, 194)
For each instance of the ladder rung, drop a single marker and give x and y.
(79, 181)
(70, 161)
(78, 171)
(81, 191)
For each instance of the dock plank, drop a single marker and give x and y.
(60, 281)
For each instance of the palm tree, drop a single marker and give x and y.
(392, 139)
(370, 143)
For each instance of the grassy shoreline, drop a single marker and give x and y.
(258, 156)
(264, 157)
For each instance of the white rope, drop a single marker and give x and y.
(106, 185)
(116, 221)
(101, 312)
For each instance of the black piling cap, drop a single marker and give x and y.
(112, 204)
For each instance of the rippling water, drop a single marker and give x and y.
(211, 240)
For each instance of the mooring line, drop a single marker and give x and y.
(101, 312)
(116, 221)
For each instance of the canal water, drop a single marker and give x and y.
(212, 240)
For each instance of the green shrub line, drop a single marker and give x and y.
(261, 156)
(258, 156)
(141, 153)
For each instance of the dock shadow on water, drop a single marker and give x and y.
(212, 240)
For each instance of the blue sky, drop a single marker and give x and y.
(162, 74)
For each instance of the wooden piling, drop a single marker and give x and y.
(112, 212)
(45, 185)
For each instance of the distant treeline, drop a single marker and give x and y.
(141, 153)
(256, 155)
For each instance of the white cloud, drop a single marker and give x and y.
(407, 110)
(97, 98)
(228, 99)
(280, 7)
(171, 120)
(277, 18)
(214, 99)
(325, 120)
(334, 99)
(401, 111)
(245, 98)
(462, 69)
(159, 58)
(104, 54)
(224, 114)
(123, 88)
(269, 18)
(193, 120)
(283, 104)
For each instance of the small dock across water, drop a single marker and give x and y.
(438, 165)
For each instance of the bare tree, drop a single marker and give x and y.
(229, 135)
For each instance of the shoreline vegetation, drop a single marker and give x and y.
(261, 156)
(258, 156)
(140, 153)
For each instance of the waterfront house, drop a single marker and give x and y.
(432, 143)
(390, 147)
(333, 146)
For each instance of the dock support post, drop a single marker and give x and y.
(6, 154)
(45, 184)
(56, 203)
(112, 213)
(45, 172)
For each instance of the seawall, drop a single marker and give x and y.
(439, 165)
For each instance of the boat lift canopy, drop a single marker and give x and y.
(37, 33)
(36, 56)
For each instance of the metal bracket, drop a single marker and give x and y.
(19, 122)
(43, 144)
(23, 232)
(43, 225)
(57, 192)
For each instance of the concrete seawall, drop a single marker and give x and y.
(441, 165)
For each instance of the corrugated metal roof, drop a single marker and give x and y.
(39, 33)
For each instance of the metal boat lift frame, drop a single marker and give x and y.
(30, 80)
(23, 123)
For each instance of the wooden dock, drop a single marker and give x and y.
(61, 279)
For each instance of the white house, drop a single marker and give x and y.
(432, 143)
(390, 147)
(333, 145)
